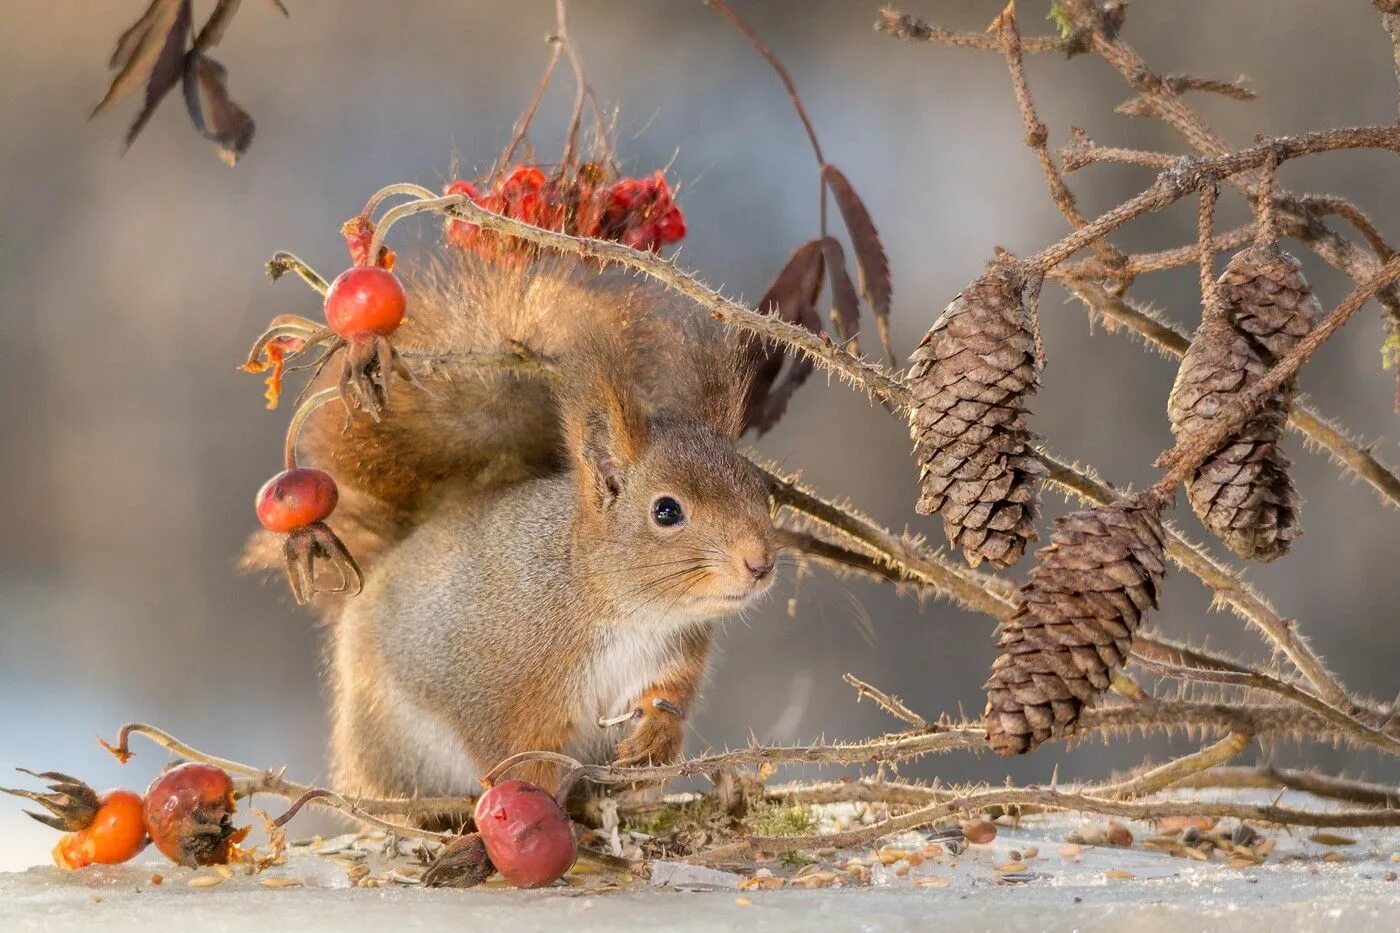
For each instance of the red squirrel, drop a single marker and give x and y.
(543, 551)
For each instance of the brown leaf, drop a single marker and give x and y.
(214, 114)
(792, 297)
(845, 305)
(151, 51)
(871, 263)
(217, 24)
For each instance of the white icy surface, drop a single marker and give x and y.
(1286, 893)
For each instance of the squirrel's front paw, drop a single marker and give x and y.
(657, 737)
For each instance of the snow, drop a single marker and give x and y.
(1095, 888)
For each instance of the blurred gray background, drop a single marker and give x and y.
(130, 287)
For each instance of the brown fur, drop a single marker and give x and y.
(517, 586)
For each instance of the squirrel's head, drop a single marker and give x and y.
(671, 518)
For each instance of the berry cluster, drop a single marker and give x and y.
(640, 212)
(187, 812)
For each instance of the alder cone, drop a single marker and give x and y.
(1243, 493)
(1091, 586)
(970, 377)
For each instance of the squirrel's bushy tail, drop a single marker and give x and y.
(486, 425)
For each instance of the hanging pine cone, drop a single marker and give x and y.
(1244, 493)
(1090, 587)
(970, 378)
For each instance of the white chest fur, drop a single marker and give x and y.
(630, 659)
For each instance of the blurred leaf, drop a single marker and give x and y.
(793, 298)
(214, 113)
(156, 51)
(845, 304)
(871, 262)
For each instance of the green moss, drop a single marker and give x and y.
(699, 813)
(780, 819)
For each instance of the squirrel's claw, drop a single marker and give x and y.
(656, 739)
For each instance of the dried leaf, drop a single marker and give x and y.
(142, 46)
(845, 304)
(792, 297)
(217, 24)
(872, 265)
(215, 115)
(156, 56)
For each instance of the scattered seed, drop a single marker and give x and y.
(1071, 851)
(743, 901)
(205, 881)
(761, 883)
(1265, 847)
(1118, 835)
(979, 832)
(955, 846)
(224, 870)
(1118, 873)
(819, 879)
(825, 853)
(1178, 824)
(889, 856)
(932, 881)
(1030, 853)
(157, 879)
(1014, 855)
(1331, 839)
(901, 871)
(278, 883)
(1334, 856)
(1241, 861)
(1196, 854)
(1012, 867)
(404, 876)
(1389, 876)
(1244, 835)
(1395, 856)
(1191, 835)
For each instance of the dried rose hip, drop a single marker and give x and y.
(365, 301)
(296, 498)
(528, 836)
(359, 233)
(189, 815)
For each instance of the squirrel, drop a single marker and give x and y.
(546, 559)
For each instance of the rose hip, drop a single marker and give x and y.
(528, 836)
(117, 832)
(189, 815)
(296, 498)
(365, 301)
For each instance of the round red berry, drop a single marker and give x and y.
(295, 498)
(365, 301)
(527, 834)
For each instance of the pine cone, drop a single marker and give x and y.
(1244, 493)
(1088, 591)
(1268, 299)
(970, 378)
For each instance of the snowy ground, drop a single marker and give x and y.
(1300, 886)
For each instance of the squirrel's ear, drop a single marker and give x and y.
(610, 434)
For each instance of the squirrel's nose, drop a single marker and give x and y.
(759, 566)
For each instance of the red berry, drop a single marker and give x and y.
(117, 832)
(295, 498)
(189, 815)
(365, 301)
(671, 227)
(527, 835)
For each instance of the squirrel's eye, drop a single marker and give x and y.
(666, 512)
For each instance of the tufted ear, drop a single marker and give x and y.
(604, 419)
(612, 438)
